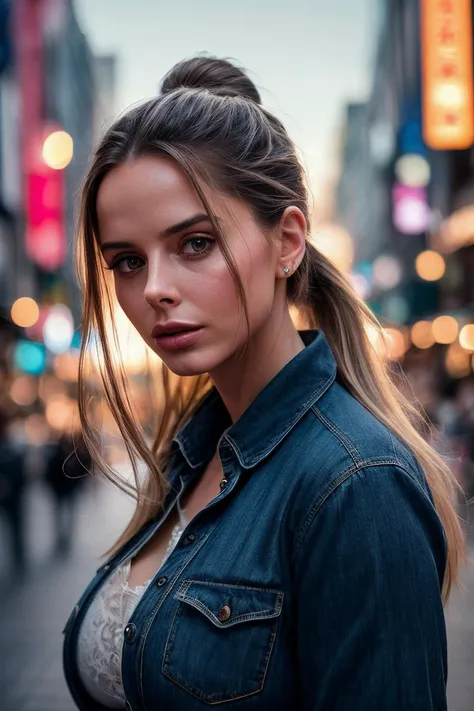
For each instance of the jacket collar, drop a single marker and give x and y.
(270, 417)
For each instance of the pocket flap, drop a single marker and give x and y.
(226, 605)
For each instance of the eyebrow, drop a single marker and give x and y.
(168, 232)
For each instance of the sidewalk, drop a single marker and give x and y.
(34, 613)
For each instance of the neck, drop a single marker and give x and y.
(240, 379)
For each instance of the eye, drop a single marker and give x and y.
(197, 246)
(126, 265)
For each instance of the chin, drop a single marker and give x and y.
(193, 363)
(183, 369)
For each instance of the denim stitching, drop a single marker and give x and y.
(366, 464)
(392, 440)
(344, 440)
(270, 446)
(257, 615)
(232, 585)
(329, 490)
(206, 697)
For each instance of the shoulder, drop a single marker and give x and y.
(340, 440)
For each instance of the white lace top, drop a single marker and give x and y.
(100, 642)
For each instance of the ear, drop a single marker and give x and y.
(293, 229)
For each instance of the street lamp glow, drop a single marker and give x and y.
(58, 150)
(25, 312)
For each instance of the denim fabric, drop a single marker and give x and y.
(312, 582)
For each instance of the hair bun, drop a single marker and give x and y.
(217, 75)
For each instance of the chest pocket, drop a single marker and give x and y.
(221, 639)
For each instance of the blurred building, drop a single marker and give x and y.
(53, 94)
(105, 76)
(406, 190)
(13, 270)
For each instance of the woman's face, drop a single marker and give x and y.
(171, 279)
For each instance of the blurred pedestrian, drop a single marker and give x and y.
(66, 468)
(295, 538)
(12, 496)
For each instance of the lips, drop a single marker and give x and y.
(172, 328)
(175, 337)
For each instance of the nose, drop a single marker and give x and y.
(160, 287)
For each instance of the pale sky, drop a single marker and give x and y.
(308, 57)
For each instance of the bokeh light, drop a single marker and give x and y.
(430, 265)
(458, 361)
(413, 170)
(25, 312)
(396, 343)
(387, 272)
(445, 329)
(422, 334)
(24, 390)
(466, 337)
(61, 413)
(66, 366)
(30, 357)
(58, 329)
(58, 150)
(336, 244)
(360, 285)
(37, 431)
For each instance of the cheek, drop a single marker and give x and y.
(131, 302)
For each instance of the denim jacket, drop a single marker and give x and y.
(311, 583)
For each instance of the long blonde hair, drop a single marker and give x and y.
(208, 119)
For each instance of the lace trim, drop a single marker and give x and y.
(101, 638)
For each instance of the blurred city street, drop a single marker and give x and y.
(378, 99)
(34, 613)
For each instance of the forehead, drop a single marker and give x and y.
(146, 191)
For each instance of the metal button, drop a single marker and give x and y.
(190, 538)
(161, 581)
(224, 613)
(107, 566)
(223, 484)
(129, 632)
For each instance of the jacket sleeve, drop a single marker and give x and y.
(370, 560)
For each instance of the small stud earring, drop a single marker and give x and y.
(286, 270)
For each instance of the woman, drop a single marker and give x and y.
(295, 538)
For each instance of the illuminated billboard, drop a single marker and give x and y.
(447, 75)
